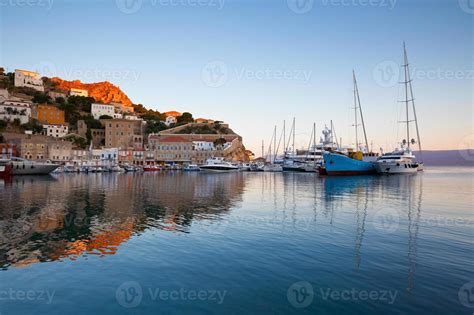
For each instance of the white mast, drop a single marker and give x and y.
(357, 105)
(405, 68)
(412, 99)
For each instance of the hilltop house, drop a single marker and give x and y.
(31, 79)
(78, 92)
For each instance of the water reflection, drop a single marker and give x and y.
(46, 218)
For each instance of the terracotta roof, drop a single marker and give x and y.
(169, 138)
(172, 113)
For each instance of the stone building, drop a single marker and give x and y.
(123, 133)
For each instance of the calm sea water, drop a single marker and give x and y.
(240, 243)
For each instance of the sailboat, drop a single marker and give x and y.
(358, 162)
(403, 160)
(273, 166)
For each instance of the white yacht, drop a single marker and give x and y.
(397, 162)
(218, 164)
(26, 167)
(191, 168)
(403, 160)
(273, 168)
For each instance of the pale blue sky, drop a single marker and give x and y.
(276, 59)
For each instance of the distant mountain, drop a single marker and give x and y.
(448, 157)
(104, 92)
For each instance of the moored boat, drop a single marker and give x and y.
(336, 163)
(403, 161)
(26, 167)
(151, 168)
(218, 164)
(397, 162)
(191, 168)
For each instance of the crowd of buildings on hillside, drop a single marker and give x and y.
(120, 139)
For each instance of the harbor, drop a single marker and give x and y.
(328, 157)
(211, 157)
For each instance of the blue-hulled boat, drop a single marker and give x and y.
(341, 164)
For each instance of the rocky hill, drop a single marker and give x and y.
(104, 92)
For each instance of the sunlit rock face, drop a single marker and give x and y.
(104, 92)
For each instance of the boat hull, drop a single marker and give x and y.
(395, 168)
(342, 165)
(36, 170)
(216, 168)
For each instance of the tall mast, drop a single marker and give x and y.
(413, 102)
(294, 131)
(284, 139)
(356, 88)
(355, 111)
(263, 148)
(333, 130)
(405, 59)
(274, 143)
(314, 144)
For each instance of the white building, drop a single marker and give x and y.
(56, 131)
(117, 116)
(170, 120)
(132, 117)
(31, 79)
(78, 92)
(11, 110)
(98, 110)
(105, 156)
(203, 146)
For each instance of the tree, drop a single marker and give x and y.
(219, 142)
(92, 123)
(33, 125)
(3, 124)
(71, 113)
(42, 98)
(185, 118)
(153, 126)
(2, 139)
(2, 71)
(83, 103)
(60, 100)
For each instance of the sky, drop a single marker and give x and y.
(254, 64)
